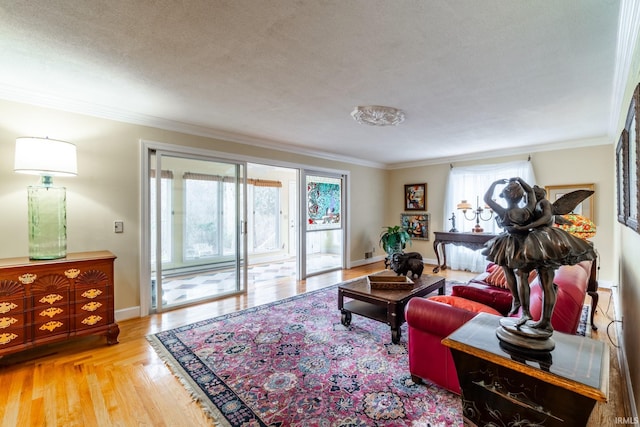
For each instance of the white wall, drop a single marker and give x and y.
(107, 187)
(628, 265)
(561, 167)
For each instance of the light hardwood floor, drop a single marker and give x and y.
(84, 382)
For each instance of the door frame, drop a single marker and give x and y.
(147, 145)
(148, 148)
(302, 251)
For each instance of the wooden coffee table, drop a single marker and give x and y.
(384, 305)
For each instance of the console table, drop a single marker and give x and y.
(501, 386)
(473, 241)
(48, 301)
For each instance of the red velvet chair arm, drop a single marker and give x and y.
(435, 317)
(428, 323)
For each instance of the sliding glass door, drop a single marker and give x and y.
(324, 237)
(197, 214)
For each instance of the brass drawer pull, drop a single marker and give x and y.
(92, 306)
(91, 320)
(92, 293)
(7, 338)
(50, 326)
(27, 278)
(5, 322)
(6, 307)
(51, 311)
(72, 273)
(51, 298)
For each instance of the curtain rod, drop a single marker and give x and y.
(528, 160)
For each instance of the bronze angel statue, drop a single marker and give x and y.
(530, 241)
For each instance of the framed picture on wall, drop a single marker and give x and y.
(585, 208)
(622, 187)
(415, 197)
(632, 127)
(324, 200)
(417, 225)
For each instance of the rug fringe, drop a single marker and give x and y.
(192, 388)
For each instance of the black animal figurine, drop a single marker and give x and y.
(402, 263)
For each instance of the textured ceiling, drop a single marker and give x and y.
(472, 76)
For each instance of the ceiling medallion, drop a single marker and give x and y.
(377, 115)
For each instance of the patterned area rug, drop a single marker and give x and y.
(292, 363)
(584, 327)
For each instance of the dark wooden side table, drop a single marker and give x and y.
(473, 241)
(592, 290)
(383, 305)
(501, 387)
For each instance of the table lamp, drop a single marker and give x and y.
(476, 214)
(47, 204)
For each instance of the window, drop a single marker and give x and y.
(470, 183)
(266, 218)
(166, 215)
(210, 215)
(228, 217)
(201, 216)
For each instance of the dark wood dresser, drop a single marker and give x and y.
(48, 301)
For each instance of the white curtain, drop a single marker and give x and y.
(470, 183)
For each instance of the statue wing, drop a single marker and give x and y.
(560, 220)
(569, 201)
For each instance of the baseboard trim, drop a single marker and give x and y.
(361, 262)
(622, 356)
(605, 284)
(127, 313)
(365, 261)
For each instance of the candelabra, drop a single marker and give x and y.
(476, 214)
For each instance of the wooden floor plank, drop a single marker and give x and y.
(86, 382)
(70, 373)
(12, 406)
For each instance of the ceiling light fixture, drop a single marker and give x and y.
(377, 115)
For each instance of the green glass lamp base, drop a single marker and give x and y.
(47, 222)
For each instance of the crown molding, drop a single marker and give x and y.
(44, 100)
(628, 29)
(492, 154)
(109, 113)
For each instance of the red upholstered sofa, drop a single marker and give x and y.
(429, 321)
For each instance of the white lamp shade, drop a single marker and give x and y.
(44, 156)
(464, 205)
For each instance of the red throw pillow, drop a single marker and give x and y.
(466, 304)
(491, 267)
(498, 279)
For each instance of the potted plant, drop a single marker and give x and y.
(394, 239)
